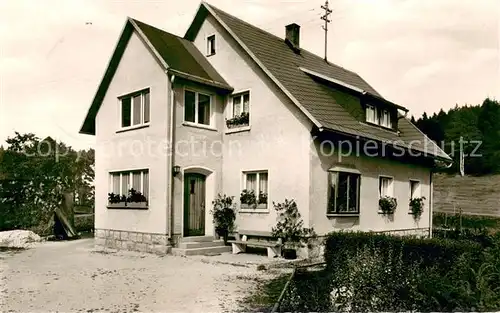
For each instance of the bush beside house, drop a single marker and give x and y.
(375, 272)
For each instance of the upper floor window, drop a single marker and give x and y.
(135, 109)
(378, 116)
(211, 45)
(240, 110)
(197, 107)
(415, 189)
(371, 114)
(343, 192)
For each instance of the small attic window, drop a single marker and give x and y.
(210, 45)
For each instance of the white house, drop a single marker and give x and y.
(230, 107)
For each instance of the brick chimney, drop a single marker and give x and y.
(293, 36)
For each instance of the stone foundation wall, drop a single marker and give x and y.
(132, 241)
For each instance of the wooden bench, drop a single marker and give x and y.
(240, 244)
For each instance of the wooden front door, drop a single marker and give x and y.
(194, 205)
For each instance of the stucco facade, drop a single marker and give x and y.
(276, 125)
(127, 150)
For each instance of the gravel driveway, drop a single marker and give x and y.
(74, 277)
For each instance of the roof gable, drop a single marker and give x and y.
(304, 89)
(173, 53)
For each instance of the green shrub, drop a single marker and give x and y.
(377, 272)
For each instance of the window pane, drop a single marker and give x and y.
(203, 109)
(370, 114)
(146, 107)
(137, 110)
(353, 193)
(236, 105)
(342, 192)
(415, 189)
(332, 182)
(116, 183)
(136, 181)
(126, 112)
(125, 183)
(246, 103)
(146, 184)
(251, 182)
(211, 45)
(189, 103)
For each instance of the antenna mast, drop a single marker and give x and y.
(325, 27)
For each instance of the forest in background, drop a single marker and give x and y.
(479, 128)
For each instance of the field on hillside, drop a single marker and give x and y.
(474, 195)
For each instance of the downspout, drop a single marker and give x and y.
(170, 159)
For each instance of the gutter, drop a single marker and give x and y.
(170, 158)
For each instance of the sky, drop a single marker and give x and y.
(426, 55)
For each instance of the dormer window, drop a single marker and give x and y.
(385, 119)
(378, 116)
(371, 114)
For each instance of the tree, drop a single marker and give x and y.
(35, 175)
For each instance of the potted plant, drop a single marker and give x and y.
(387, 204)
(223, 215)
(248, 199)
(262, 201)
(239, 120)
(290, 228)
(115, 200)
(417, 206)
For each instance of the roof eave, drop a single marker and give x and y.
(201, 80)
(427, 154)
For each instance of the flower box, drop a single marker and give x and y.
(137, 205)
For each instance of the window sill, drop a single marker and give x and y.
(383, 213)
(256, 211)
(388, 129)
(342, 215)
(211, 54)
(238, 129)
(201, 126)
(128, 206)
(126, 129)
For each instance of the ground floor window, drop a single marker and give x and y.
(343, 192)
(255, 190)
(126, 184)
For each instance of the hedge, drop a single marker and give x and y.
(377, 272)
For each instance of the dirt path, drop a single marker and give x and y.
(73, 277)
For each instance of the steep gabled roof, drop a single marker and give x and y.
(292, 73)
(175, 54)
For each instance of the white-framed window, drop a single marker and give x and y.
(257, 182)
(210, 45)
(343, 192)
(386, 186)
(197, 107)
(415, 191)
(240, 110)
(240, 103)
(122, 181)
(371, 114)
(135, 109)
(378, 116)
